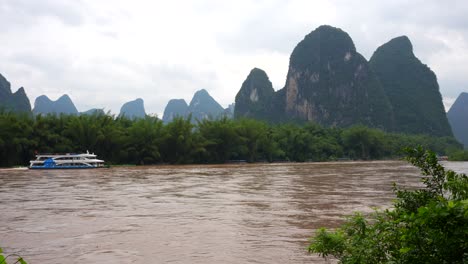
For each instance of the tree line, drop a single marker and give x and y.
(119, 140)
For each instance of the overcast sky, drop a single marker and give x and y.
(105, 53)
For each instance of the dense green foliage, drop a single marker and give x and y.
(15, 258)
(412, 89)
(428, 225)
(150, 141)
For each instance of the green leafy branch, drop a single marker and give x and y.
(3, 259)
(427, 225)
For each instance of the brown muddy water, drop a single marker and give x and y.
(260, 213)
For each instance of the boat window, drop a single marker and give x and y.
(64, 158)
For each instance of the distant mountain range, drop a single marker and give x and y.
(328, 82)
(458, 118)
(202, 106)
(64, 105)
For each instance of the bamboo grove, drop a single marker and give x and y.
(119, 140)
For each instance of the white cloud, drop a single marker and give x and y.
(104, 53)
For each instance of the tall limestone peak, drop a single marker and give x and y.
(175, 108)
(412, 89)
(201, 96)
(458, 118)
(330, 83)
(21, 100)
(400, 46)
(461, 104)
(63, 105)
(5, 88)
(20, 92)
(325, 40)
(133, 109)
(255, 96)
(16, 102)
(204, 106)
(40, 100)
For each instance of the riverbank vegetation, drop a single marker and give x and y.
(459, 155)
(427, 225)
(119, 140)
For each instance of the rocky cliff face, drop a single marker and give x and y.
(133, 109)
(255, 98)
(458, 118)
(330, 83)
(175, 108)
(63, 105)
(412, 89)
(15, 102)
(204, 106)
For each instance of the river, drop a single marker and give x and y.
(244, 213)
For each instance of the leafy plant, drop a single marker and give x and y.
(427, 225)
(18, 259)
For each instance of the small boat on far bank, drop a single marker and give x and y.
(66, 161)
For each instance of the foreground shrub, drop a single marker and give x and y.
(427, 225)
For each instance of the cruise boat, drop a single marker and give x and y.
(66, 161)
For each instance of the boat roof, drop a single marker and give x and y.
(65, 155)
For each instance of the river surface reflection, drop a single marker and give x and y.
(249, 213)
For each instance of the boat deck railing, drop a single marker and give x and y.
(63, 154)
